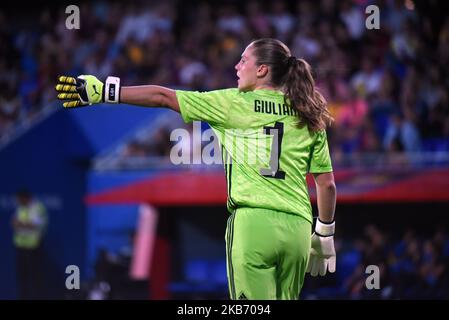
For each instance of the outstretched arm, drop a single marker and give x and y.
(150, 96)
(87, 90)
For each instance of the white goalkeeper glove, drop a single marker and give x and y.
(87, 90)
(322, 251)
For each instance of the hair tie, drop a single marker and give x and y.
(292, 60)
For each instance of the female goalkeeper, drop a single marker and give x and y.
(269, 241)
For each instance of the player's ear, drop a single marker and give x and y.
(262, 71)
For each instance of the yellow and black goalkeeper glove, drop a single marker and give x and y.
(87, 90)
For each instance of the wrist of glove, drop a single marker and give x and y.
(86, 90)
(322, 252)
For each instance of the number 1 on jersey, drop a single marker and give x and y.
(278, 132)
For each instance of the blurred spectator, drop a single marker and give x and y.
(353, 18)
(230, 20)
(402, 134)
(368, 80)
(282, 20)
(29, 224)
(258, 20)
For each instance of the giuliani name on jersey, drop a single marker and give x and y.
(270, 107)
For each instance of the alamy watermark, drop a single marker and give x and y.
(373, 280)
(72, 282)
(373, 20)
(73, 20)
(249, 146)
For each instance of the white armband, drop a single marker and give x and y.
(324, 229)
(112, 90)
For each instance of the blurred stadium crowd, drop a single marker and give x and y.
(412, 265)
(387, 88)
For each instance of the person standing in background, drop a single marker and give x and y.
(29, 224)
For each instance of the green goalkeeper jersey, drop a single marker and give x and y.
(266, 156)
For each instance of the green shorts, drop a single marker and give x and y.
(267, 253)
